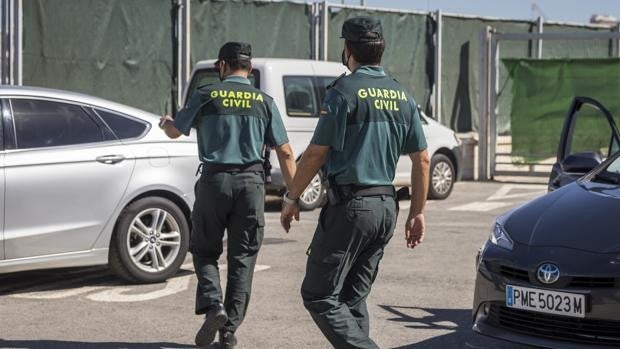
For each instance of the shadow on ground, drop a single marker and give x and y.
(61, 279)
(53, 344)
(457, 321)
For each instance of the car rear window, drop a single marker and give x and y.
(124, 127)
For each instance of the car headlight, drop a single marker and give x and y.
(500, 237)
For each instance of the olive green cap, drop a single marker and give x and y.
(362, 29)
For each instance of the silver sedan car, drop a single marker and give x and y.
(85, 181)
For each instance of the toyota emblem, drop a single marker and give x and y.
(548, 273)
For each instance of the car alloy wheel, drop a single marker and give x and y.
(442, 177)
(314, 195)
(150, 240)
(153, 240)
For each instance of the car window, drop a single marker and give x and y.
(614, 167)
(591, 132)
(614, 146)
(321, 84)
(40, 123)
(210, 76)
(300, 94)
(123, 127)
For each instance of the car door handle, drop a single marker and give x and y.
(110, 159)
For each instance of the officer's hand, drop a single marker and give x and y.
(167, 117)
(414, 230)
(289, 211)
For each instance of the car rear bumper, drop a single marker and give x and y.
(599, 329)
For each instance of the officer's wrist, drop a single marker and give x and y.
(289, 200)
(163, 123)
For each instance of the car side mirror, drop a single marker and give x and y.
(581, 162)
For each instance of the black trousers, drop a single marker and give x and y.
(343, 262)
(235, 203)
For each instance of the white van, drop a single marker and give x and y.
(298, 88)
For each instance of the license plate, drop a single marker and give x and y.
(545, 301)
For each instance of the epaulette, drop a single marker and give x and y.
(333, 83)
(205, 85)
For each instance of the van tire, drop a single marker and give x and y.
(315, 194)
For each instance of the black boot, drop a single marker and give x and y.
(214, 320)
(227, 340)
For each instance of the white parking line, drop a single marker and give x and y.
(480, 206)
(173, 286)
(503, 192)
(115, 294)
(57, 294)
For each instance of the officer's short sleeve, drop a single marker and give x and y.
(331, 128)
(186, 118)
(415, 140)
(276, 133)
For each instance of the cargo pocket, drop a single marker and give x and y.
(323, 270)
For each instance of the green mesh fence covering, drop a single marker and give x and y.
(115, 49)
(123, 50)
(280, 29)
(542, 93)
(461, 69)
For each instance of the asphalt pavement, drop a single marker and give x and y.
(422, 298)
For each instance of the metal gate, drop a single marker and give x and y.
(495, 153)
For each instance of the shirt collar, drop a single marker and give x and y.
(370, 70)
(238, 79)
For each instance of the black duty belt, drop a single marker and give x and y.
(207, 168)
(341, 193)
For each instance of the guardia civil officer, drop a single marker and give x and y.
(233, 120)
(368, 120)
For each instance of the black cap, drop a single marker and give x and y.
(362, 29)
(235, 51)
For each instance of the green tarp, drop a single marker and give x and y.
(274, 29)
(461, 69)
(115, 49)
(542, 92)
(123, 50)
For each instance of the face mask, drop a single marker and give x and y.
(219, 72)
(344, 60)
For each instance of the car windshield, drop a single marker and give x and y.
(614, 167)
(611, 173)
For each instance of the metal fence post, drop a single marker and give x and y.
(325, 29)
(618, 41)
(539, 42)
(316, 31)
(11, 40)
(492, 112)
(437, 67)
(183, 49)
(483, 104)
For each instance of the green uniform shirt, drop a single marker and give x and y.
(368, 120)
(233, 120)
